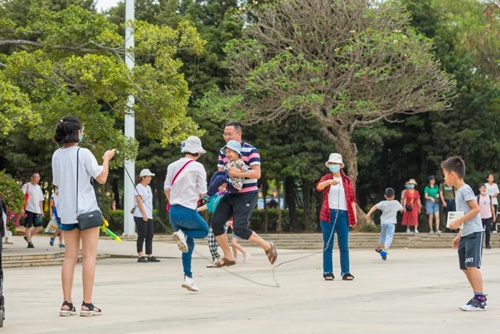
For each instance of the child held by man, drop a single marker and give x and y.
(469, 240)
(221, 183)
(388, 221)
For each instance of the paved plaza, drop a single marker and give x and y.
(414, 291)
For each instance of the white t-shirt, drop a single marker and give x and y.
(389, 211)
(64, 176)
(189, 185)
(147, 200)
(35, 197)
(336, 196)
(492, 189)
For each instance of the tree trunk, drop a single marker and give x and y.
(265, 188)
(290, 198)
(116, 193)
(308, 218)
(278, 223)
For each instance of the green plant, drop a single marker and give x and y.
(13, 197)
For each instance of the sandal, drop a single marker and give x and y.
(225, 262)
(67, 312)
(271, 253)
(328, 277)
(347, 277)
(91, 310)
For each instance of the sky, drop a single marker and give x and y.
(102, 5)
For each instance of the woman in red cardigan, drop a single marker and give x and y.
(338, 213)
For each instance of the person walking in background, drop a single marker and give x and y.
(388, 221)
(143, 216)
(488, 213)
(431, 195)
(33, 208)
(493, 191)
(185, 184)
(54, 216)
(338, 214)
(469, 241)
(411, 207)
(72, 165)
(447, 197)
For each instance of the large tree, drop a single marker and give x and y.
(72, 62)
(347, 64)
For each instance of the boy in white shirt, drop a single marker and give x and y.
(388, 221)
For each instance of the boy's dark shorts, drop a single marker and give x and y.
(32, 221)
(470, 250)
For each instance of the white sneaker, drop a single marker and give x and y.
(190, 284)
(407, 230)
(246, 256)
(438, 231)
(416, 231)
(180, 238)
(474, 305)
(494, 231)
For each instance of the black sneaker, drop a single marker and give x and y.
(153, 259)
(142, 259)
(488, 247)
(475, 305)
(30, 245)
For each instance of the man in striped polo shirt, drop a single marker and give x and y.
(239, 206)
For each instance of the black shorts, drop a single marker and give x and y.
(470, 250)
(33, 219)
(238, 206)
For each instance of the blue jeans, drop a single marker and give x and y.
(194, 227)
(386, 235)
(338, 223)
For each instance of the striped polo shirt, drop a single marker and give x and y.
(251, 157)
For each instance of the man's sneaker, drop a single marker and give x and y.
(190, 284)
(180, 238)
(142, 259)
(474, 305)
(383, 254)
(51, 242)
(438, 231)
(494, 231)
(153, 259)
(246, 256)
(488, 247)
(431, 231)
(30, 245)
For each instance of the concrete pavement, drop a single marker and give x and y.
(414, 291)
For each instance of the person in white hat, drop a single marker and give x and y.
(143, 216)
(411, 208)
(338, 213)
(222, 180)
(185, 184)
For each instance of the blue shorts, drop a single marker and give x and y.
(68, 227)
(431, 207)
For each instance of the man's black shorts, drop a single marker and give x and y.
(32, 221)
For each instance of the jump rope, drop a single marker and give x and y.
(273, 270)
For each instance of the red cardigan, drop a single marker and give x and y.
(350, 196)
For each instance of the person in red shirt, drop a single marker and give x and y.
(338, 213)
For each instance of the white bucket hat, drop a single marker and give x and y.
(336, 159)
(192, 145)
(146, 172)
(234, 145)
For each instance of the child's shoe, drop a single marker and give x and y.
(378, 249)
(475, 305)
(51, 242)
(246, 256)
(383, 254)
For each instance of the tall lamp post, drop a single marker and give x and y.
(128, 196)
